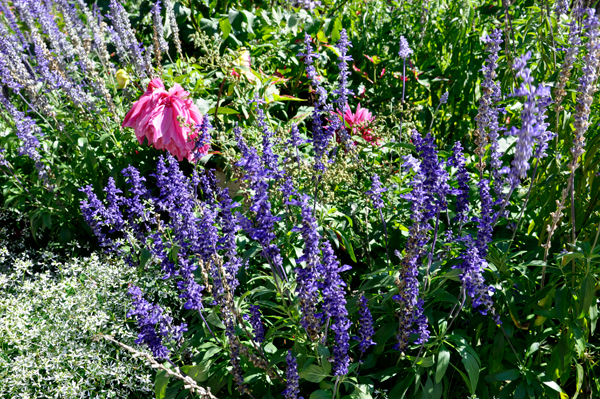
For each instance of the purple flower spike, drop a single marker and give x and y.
(154, 325)
(405, 50)
(293, 379)
(365, 326)
(375, 192)
(256, 323)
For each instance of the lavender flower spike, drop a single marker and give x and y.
(334, 307)
(342, 91)
(375, 192)
(293, 385)
(257, 325)
(153, 324)
(365, 326)
(405, 50)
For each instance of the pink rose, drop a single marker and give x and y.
(156, 117)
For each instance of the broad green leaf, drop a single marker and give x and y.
(214, 320)
(579, 380)
(508, 375)
(321, 394)
(348, 245)
(405, 381)
(145, 256)
(225, 26)
(313, 373)
(586, 294)
(160, 384)
(284, 97)
(443, 359)
(472, 367)
(223, 110)
(198, 373)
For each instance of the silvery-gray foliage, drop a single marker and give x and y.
(47, 323)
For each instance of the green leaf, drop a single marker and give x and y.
(443, 359)
(145, 256)
(552, 385)
(579, 383)
(313, 373)
(47, 217)
(587, 294)
(160, 384)
(225, 26)
(399, 391)
(223, 110)
(249, 19)
(508, 375)
(199, 373)
(348, 246)
(321, 394)
(562, 301)
(277, 97)
(472, 367)
(214, 320)
(593, 318)
(507, 391)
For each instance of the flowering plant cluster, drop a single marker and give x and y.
(361, 206)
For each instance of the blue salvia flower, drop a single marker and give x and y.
(153, 324)
(12, 22)
(26, 130)
(263, 227)
(532, 120)
(95, 214)
(342, 91)
(320, 136)
(63, 48)
(543, 135)
(405, 50)
(257, 325)
(408, 283)
(472, 266)
(204, 137)
(137, 214)
(444, 98)
(94, 19)
(190, 290)
(486, 219)
(293, 379)
(307, 277)
(270, 161)
(234, 346)
(157, 23)
(375, 192)
(250, 160)
(208, 183)
(296, 141)
(56, 79)
(436, 177)
(462, 177)
(365, 326)
(334, 307)
(128, 48)
(174, 26)
(229, 228)
(488, 115)
(306, 4)
(561, 7)
(3, 161)
(13, 72)
(113, 212)
(587, 82)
